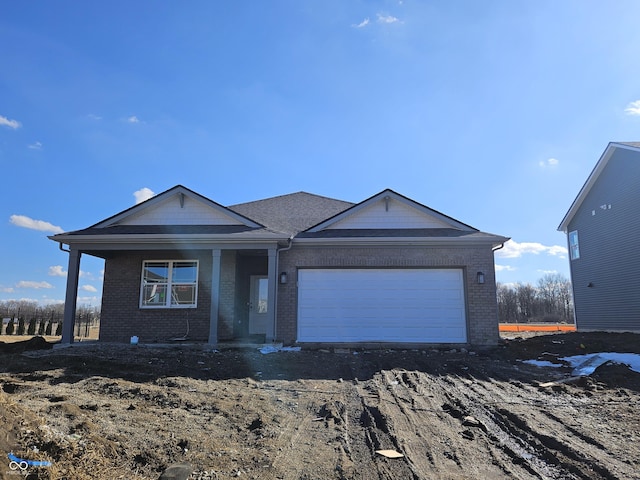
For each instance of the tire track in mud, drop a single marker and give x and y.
(366, 430)
(561, 449)
(454, 427)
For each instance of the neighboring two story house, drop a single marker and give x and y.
(603, 235)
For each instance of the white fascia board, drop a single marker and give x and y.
(163, 238)
(494, 241)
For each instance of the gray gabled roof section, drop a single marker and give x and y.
(292, 213)
(593, 177)
(388, 193)
(302, 215)
(177, 190)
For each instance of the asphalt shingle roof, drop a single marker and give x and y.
(291, 213)
(282, 216)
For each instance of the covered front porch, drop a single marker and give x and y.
(235, 299)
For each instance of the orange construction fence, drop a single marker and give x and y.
(537, 327)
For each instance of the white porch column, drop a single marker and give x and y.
(271, 301)
(71, 298)
(216, 254)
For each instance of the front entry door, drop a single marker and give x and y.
(258, 305)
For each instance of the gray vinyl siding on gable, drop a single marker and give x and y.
(606, 277)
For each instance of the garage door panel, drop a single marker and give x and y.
(386, 305)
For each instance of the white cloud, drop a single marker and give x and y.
(550, 162)
(387, 18)
(26, 222)
(31, 284)
(93, 116)
(5, 122)
(133, 119)
(505, 268)
(514, 249)
(632, 109)
(57, 271)
(362, 24)
(35, 146)
(91, 301)
(547, 272)
(143, 194)
(89, 288)
(7, 289)
(49, 301)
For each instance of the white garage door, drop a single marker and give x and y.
(381, 305)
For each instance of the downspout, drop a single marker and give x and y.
(60, 247)
(275, 306)
(494, 250)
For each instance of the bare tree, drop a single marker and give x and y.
(551, 300)
(507, 303)
(554, 290)
(527, 304)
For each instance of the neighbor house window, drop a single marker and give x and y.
(169, 283)
(574, 248)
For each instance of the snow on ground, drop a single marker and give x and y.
(543, 363)
(586, 364)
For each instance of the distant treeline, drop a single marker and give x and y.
(549, 301)
(24, 317)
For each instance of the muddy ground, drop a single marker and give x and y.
(128, 412)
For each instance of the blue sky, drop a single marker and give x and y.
(491, 112)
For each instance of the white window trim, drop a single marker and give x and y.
(168, 304)
(574, 247)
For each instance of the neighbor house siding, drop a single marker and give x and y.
(481, 306)
(122, 317)
(606, 277)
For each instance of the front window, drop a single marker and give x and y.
(574, 248)
(169, 283)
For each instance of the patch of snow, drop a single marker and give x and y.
(542, 363)
(632, 360)
(587, 364)
(273, 349)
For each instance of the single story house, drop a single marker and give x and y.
(297, 269)
(603, 237)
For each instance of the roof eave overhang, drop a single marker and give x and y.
(493, 241)
(102, 241)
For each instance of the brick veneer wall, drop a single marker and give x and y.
(481, 304)
(122, 317)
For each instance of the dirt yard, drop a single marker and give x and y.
(128, 412)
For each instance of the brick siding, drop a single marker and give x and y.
(122, 317)
(481, 305)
